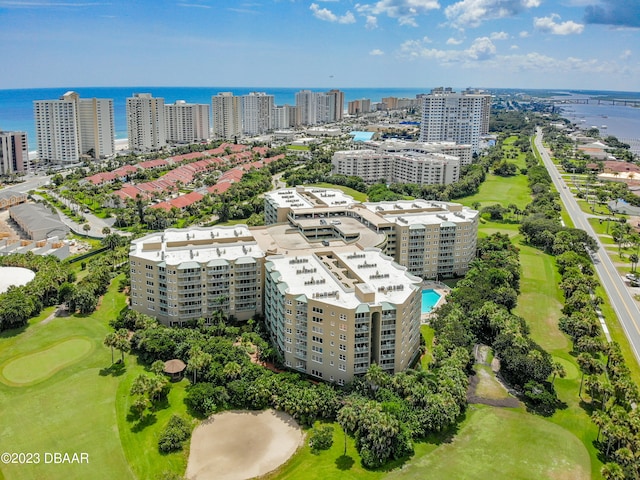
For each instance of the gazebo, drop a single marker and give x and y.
(174, 368)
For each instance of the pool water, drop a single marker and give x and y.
(429, 299)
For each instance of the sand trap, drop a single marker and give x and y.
(238, 445)
(14, 276)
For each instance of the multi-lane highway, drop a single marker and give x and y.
(619, 295)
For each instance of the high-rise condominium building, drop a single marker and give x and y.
(335, 101)
(339, 291)
(97, 128)
(319, 107)
(358, 107)
(397, 167)
(187, 122)
(284, 117)
(146, 124)
(257, 113)
(72, 126)
(306, 107)
(14, 152)
(227, 115)
(457, 117)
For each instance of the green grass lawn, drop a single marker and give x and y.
(67, 402)
(503, 443)
(502, 190)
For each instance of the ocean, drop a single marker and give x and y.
(16, 106)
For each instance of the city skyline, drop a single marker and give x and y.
(579, 44)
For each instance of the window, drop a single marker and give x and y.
(343, 337)
(343, 347)
(342, 357)
(317, 309)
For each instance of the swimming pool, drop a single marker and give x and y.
(429, 299)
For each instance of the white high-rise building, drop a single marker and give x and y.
(227, 115)
(146, 126)
(284, 117)
(97, 128)
(14, 153)
(72, 126)
(456, 117)
(187, 122)
(306, 107)
(257, 113)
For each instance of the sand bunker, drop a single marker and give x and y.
(17, 276)
(238, 445)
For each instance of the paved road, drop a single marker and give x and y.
(618, 292)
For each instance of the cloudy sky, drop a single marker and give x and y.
(579, 44)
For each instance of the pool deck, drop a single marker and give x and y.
(439, 288)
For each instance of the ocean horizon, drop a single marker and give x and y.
(16, 105)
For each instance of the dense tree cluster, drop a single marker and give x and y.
(608, 382)
(18, 304)
(479, 310)
(386, 412)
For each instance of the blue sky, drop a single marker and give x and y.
(578, 44)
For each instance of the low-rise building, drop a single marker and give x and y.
(37, 221)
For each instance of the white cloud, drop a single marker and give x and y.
(372, 22)
(481, 49)
(376, 52)
(625, 55)
(524, 34)
(499, 36)
(454, 41)
(405, 11)
(328, 16)
(514, 47)
(549, 25)
(471, 13)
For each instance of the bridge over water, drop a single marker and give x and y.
(598, 101)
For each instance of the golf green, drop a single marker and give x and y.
(42, 364)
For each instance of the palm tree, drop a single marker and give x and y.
(376, 377)
(122, 341)
(232, 370)
(110, 341)
(633, 258)
(557, 369)
(197, 361)
(612, 471)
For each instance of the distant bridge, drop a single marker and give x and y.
(597, 101)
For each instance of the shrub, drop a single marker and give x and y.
(321, 438)
(176, 432)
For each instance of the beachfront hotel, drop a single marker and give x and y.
(14, 153)
(457, 117)
(71, 126)
(146, 124)
(187, 122)
(338, 282)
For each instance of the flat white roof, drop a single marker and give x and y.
(319, 278)
(201, 245)
(289, 197)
